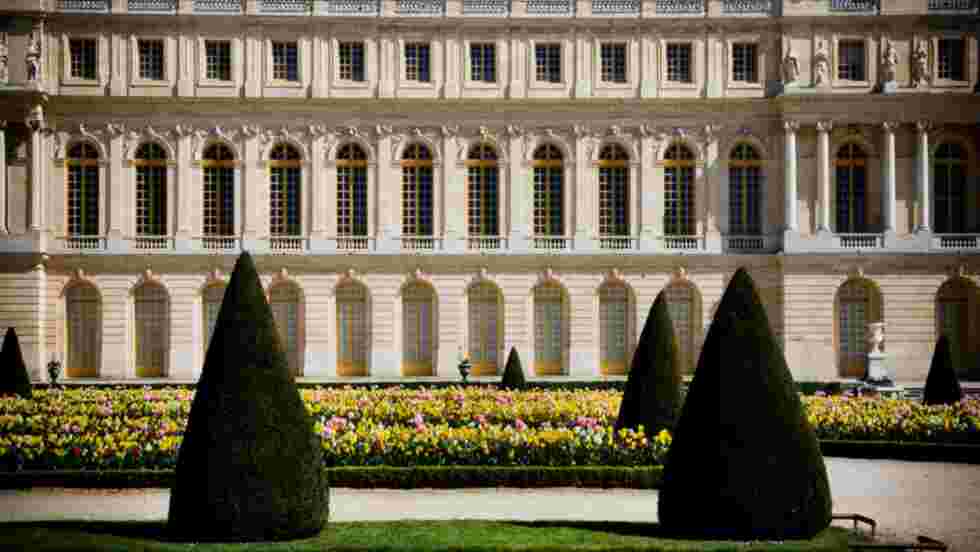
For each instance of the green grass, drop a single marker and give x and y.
(401, 536)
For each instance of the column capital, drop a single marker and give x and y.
(923, 126)
(791, 126)
(825, 126)
(890, 126)
(35, 119)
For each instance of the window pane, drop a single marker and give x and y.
(743, 63)
(850, 60)
(151, 59)
(218, 60)
(285, 61)
(679, 62)
(613, 57)
(82, 52)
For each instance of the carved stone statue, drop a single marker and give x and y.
(791, 65)
(33, 59)
(889, 61)
(920, 65)
(821, 66)
(876, 337)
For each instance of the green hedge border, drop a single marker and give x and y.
(897, 450)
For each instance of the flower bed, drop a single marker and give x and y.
(88, 428)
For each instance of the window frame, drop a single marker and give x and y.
(468, 62)
(968, 69)
(601, 65)
(415, 44)
(695, 64)
(561, 88)
(364, 64)
(760, 63)
(101, 60)
(167, 63)
(502, 62)
(343, 87)
(235, 68)
(270, 59)
(870, 65)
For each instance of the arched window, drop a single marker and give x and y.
(486, 328)
(83, 310)
(549, 218)
(151, 190)
(614, 184)
(82, 166)
(550, 329)
(418, 330)
(151, 312)
(417, 191)
(685, 315)
(615, 329)
(213, 296)
(352, 330)
(744, 191)
(481, 191)
(949, 188)
(285, 181)
(956, 304)
(284, 299)
(851, 177)
(352, 209)
(858, 305)
(679, 191)
(219, 191)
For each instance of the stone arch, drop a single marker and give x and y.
(615, 348)
(858, 139)
(285, 139)
(213, 139)
(550, 357)
(422, 139)
(334, 149)
(99, 148)
(684, 304)
(727, 146)
(567, 153)
(419, 318)
(685, 141)
(151, 326)
(954, 137)
(632, 153)
(83, 328)
(485, 326)
(956, 304)
(858, 301)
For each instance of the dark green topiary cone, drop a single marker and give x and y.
(942, 386)
(250, 467)
(744, 462)
(13, 372)
(513, 372)
(652, 394)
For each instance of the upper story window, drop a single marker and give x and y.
(744, 67)
(82, 52)
(483, 62)
(679, 63)
(613, 191)
(548, 58)
(352, 207)
(82, 164)
(151, 190)
(548, 191)
(950, 58)
(417, 62)
(351, 61)
(850, 60)
(285, 61)
(613, 58)
(151, 59)
(285, 179)
(417, 191)
(218, 60)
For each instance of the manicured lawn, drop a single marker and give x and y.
(401, 536)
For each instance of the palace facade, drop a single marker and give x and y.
(423, 179)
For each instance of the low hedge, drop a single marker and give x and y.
(891, 450)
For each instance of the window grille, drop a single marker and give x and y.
(83, 190)
(949, 189)
(285, 181)
(422, 7)
(218, 59)
(482, 189)
(352, 336)
(485, 329)
(417, 191)
(613, 191)
(213, 296)
(284, 300)
(483, 62)
(151, 59)
(548, 66)
(97, 6)
(614, 329)
(950, 58)
(82, 54)
(548, 192)
(550, 7)
(151, 190)
(153, 6)
(351, 61)
(850, 55)
(486, 7)
(350, 7)
(744, 191)
(351, 191)
(417, 62)
(152, 331)
(850, 168)
(679, 191)
(219, 191)
(744, 63)
(549, 330)
(285, 61)
(613, 58)
(679, 63)
(218, 6)
(418, 320)
(683, 316)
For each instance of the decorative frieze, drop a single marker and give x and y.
(283, 7)
(428, 8)
(153, 6)
(667, 7)
(89, 6)
(218, 6)
(615, 7)
(867, 6)
(350, 7)
(550, 7)
(747, 7)
(486, 7)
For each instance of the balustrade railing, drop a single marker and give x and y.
(617, 242)
(746, 242)
(219, 243)
(354, 243)
(86, 6)
(861, 6)
(152, 243)
(84, 243)
(287, 244)
(550, 7)
(683, 243)
(616, 7)
(671, 7)
(420, 243)
(283, 7)
(483, 243)
(551, 243)
(956, 241)
(486, 7)
(218, 6)
(746, 7)
(860, 241)
(428, 8)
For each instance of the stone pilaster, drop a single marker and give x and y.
(922, 176)
(823, 174)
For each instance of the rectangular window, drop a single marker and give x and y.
(351, 61)
(151, 59)
(743, 63)
(548, 58)
(218, 59)
(83, 58)
(417, 62)
(483, 62)
(613, 62)
(950, 59)
(285, 61)
(679, 63)
(850, 60)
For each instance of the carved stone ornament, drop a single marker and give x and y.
(449, 131)
(889, 62)
(215, 276)
(548, 275)
(957, 271)
(515, 131)
(920, 65)
(79, 276)
(487, 135)
(251, 131)
(821, 65)
(876, 337)
(349, 275)
(147, 277)
(646, 130)
(183, 131)
(420, 276)
(791, 64)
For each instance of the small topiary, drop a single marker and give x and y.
(651, 397)
(250, 467)
(13, 372)
(513, 372)
(942, 386)
(744, 462)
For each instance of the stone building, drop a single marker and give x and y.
(419, 179)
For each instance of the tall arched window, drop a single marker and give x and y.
(858, 305)
(550, 329)
(615, 329)
(151, 190)
(417, 191)
(211, 302)
(549, 218)
(679, 191)
(82, 166)
(285, 182)
(956, 304)
(745, 191)
(352, 330)
(418, 330)
(949, 188)
(481, 191)
(219, 191)
(851, 179)
(614, 184)
(486, 328)
(83, 310)
(352, 205)
(151, 312)
(284, 299)
(685, 315)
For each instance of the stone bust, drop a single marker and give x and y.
(821, 66)
(889, 60)
(920, 65)
(876, 337)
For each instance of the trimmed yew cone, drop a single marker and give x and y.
(942, 385)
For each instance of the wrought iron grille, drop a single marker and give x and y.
(486, 7)
(615, 7)
(153, 6)
(550, 7)
(953, 5)
(217, 6)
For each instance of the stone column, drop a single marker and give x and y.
(37, 125)
(3, 178)
(888, 177)
(922, 175)
(581, 183)
(184, 187)
(789, 158)
(823, 174)
(115, 188)
(251, 225)
(520, 193)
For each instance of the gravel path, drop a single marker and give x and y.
(907, 499)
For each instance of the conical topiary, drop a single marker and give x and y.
(744, 462)
(942, 386)
(250, 467)
(513, 372)
(652, 394)
(13, 372)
